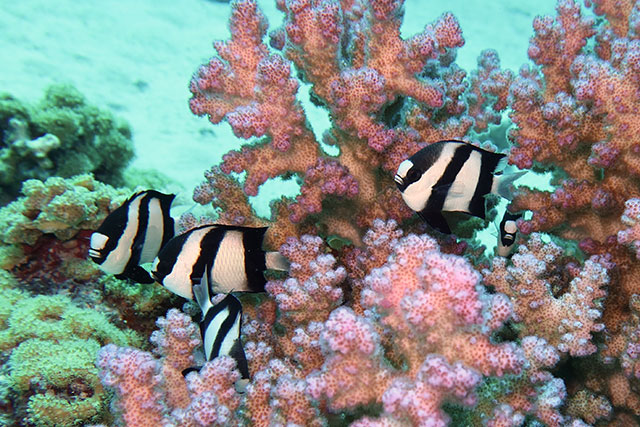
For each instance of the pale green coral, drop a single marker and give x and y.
(146, 299)
(52, 346)
(58, 206)
(68, 368)
(60, 136)
(54, 317)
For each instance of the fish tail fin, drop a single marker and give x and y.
(276, 261)
(503, 184)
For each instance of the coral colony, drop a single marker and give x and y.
(380, 320)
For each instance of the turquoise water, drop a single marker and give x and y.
(136, 58)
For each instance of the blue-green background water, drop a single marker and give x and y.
(137, 57)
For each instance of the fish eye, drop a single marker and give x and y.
(413, 175)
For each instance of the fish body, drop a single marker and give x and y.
(220, 325)
(133, 234)
(234, 255)
(508, 232)
(451, 176)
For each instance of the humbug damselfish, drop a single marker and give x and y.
(234, 253)
(451, 176)
(220, 326)
(133, 234)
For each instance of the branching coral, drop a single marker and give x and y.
(565, 314)
(386, 96)
(382, 327)
(153, 392)
(421, 343)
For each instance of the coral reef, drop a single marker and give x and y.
(385, 96)
(576, 114)
(377, 323)
(45, 233)
(336, 359)
(61, 136)
(154, 392)
(48, 347)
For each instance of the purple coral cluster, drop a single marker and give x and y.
(392, 326)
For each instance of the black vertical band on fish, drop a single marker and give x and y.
(170, 252)
(254, 259)
(485, 183)
(138, 239)
(442, 186)
(209, 246)
(435, 203)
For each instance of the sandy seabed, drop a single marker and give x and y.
(137, 57)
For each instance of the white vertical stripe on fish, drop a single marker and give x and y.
(228, 271)
(117, 259)
(463, 187)
(189, 254)
(154, 232)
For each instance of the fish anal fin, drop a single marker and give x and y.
(137, 274)
(436, 220)
(477, 207)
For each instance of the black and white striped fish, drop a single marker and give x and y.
(508, 231)
(451, 176)
(133, 234)
(235, 256)
(220, 326)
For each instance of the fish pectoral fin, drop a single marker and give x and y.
(436, 220)
(138, 275)
(440, 190)
(458, 199)
(455, 189)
